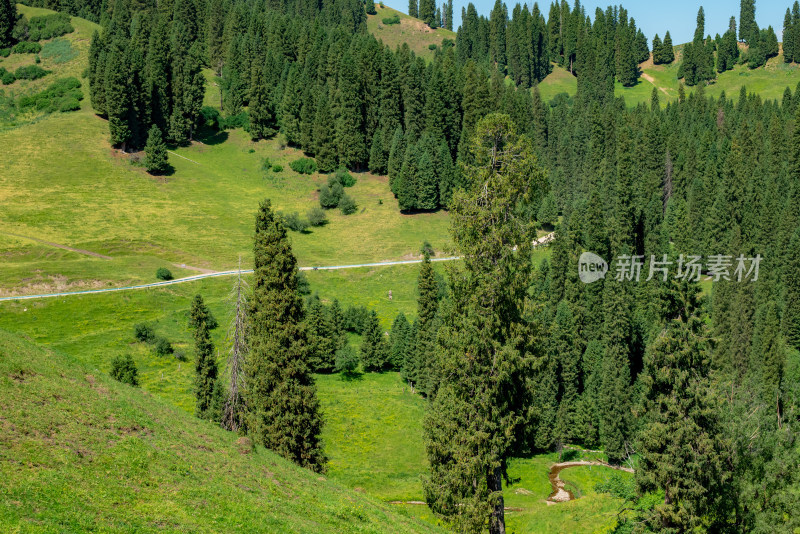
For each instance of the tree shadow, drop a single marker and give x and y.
(211, 137)
(352, 376)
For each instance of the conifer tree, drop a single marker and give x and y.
(8, 18)
(405, 185)
(374, 350)
(427, 12)
(188, 89)
(281, 397)
(427, 307)
(349, 119)
(667, 52)
(337, 324)
(205, 382)
(397, 152)
(680, 445)
(262, 119)
(96, 71)
(324, 141)
(321, 339)
(377, 154)
(791, 310)
(564, 348)
(234, 410)
(448, 15)
(748, 29)
(291, 105)
(477, 418)
(117, 94)
(657, 52)
(155, 151)
(413, 9)
(398, 341)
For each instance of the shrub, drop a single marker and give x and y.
(617, 486)
(5, 52)
(163, 347)
(277, 168)
(331, 193)
(371, 8)
(345, 178)
(303, 287)
(210, 117)
(144, 332)
(316, 217)
(346, 360)
(7, 77)
(123, 369)
(304, 166)
(180, 355)
(62, 95)
(27, 47)
(30, 72)
(394, 19)
(427, 248)
(295, 223)
(49, 26)
(240, 120)
(266, 164)
(59, 51)
(347, 205)
(163, 274)
(432, 46)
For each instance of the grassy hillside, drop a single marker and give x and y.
(82, 452)
(201, 216)
(410, 30)
(769, 82)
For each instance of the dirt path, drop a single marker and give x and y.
(653, 81)
(560, 493)
(64, 247)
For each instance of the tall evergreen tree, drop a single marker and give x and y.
(205, 382)
(791, 311)
(374, 350)
(283, 410)
(748, 29)
(349, 116)
(427, 327)
(427, 12)
(322, 341)
(155, 151)
(413, 8)
(477, 419)
(8, 18)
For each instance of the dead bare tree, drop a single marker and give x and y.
(234, 408)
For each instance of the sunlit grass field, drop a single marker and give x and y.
(412, 31)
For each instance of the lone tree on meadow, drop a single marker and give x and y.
(486, 346)
(283, 412)
(155, 152)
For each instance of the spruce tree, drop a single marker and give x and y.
(322, 342)
(117, 94)
(657, 50)
(377, 154)
(291, 105)
(397, 152)
(155, 151)
(680, 446)
(667, 52)
(478, 416)
(564, 347)
(413, 9)
(374, 350)
(324, 141)
(427, 307)
(791, 307)
(96, 72)
(748, 29)
(8, 18)
(281, 397)
(349, 119)
(427, 12)
(262, 118)
(205, 382)
(448, 15)
(398, 341)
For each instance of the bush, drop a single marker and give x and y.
(27, 47)
(49, 26)
(123, 369)
(617, 486)
(394, 19)
(210, 117)
(62, 95)
(163, 274)
(144, 332)
(277, 168)
(304, 166)
(59, 51)
(345, 178)
(316, 217)
(163, 347)
(346, 360)
(7, 77)
(240, 120)
(180, 355)
(331, 193)
(266, 165)
(347, 205)
(30, 72)
(295, 223)
(427, 248)
(432, 46)
(303, 287)
(5, 52)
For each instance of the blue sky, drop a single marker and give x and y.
(655, 16)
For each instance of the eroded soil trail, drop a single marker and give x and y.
(560, 493)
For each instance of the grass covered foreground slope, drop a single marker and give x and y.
(79, 452)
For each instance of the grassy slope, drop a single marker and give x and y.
(769, 82)
(410, 30)
(82, 452)
(202, 215)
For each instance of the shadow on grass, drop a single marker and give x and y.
(211, 137)
(351, 376)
